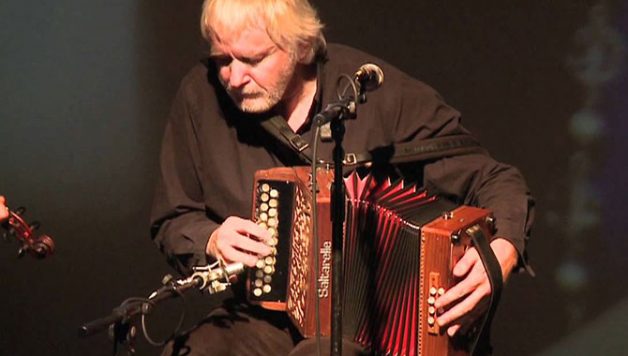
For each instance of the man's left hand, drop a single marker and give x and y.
(470, 297)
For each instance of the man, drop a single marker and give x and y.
(269, 57)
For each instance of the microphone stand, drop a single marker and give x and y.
(335, 114)
(337, 218)
(119, 321)
(211, 278)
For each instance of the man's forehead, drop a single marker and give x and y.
(249, 41)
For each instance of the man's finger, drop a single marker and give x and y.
(464, 265)
(452, 330)
(231, 254)
(458, 291)
(234, 224)
(469, 306)
(255, 230)
(250, 245)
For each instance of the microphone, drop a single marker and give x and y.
(369, 77)
(213, 278)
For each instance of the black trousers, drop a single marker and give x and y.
(240, 329)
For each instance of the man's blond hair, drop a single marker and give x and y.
(293, 25)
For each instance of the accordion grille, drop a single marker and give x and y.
(299, 259)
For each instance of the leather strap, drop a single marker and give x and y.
(404, 152)
(278, 127)
(481, 344)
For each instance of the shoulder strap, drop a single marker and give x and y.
(423, 150)
(279, 129)
(404, 152)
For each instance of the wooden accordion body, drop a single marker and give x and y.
(400, 246)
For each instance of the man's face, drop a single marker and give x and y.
(253, 70)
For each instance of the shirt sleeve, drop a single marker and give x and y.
(472, 179)
(180, 225)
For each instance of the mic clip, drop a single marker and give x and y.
(212, 278)
(216, 277)
(345, 108)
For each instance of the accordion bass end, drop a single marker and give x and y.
(444, 241)
(400, 246)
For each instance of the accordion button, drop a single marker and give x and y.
(262, 224)
(272, 222)
(266, 288)
(433, 291)
(265, 187)
(441, 291)
(257, 292)
(273, 203)
(259, 273)
(263, 216)
(272, 212)
(269, 269)
(264, 197)
(258, 283)
(263, 207)
(268, 279)
(260, 263)
(272, 231)
(431, 310)
(269, 260)
(274, 193)
(430, 321)
(431, 300)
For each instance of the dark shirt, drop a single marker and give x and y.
(211, 151)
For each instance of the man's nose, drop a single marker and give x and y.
(239, 74)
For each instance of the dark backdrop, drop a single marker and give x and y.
(85, 88)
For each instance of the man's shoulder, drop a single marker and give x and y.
(197, 74)
(200, 80)
(347, 59)
(337, 52)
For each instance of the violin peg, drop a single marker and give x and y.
(43, 247)
(9, 232)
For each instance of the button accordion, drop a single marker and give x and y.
(400, 246)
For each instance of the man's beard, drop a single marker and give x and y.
(258, 100)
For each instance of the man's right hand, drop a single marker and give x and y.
(239, 240)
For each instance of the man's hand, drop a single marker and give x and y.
(4, 210)
(470, 297)
(239, 240)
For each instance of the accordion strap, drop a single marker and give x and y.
(481, 344)
(278, 127)
(403, 152)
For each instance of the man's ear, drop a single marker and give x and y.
(305, 53)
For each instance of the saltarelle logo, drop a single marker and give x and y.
(323, 278)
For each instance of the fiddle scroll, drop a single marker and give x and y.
(37, 246)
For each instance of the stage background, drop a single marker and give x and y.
(85, 88)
